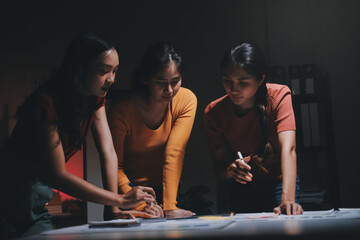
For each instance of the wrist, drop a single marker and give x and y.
(286, 198)
(119, 202)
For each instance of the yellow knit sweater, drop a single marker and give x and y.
(152, 157)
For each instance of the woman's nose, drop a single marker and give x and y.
(235, 88)
(169, 88)
(111, 78)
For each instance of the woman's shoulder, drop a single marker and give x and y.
(122, 106)
(217, 105)
(275, 90)
(184, 98)
(277, 93)
(185, 93)
(42, 98)
(39, 105)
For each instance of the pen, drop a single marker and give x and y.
(240, 156)
(242, 159)
(131, 184)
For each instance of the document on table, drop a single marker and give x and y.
(186, 224)
(205, 225)
(342, 213)
(270, 216)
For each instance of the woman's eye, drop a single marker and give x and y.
(103, 72)
(227, 81)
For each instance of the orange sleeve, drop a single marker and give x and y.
(140, 206)
(118, 128)
(184, 110)
(283, 118)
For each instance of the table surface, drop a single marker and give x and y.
(332, 224)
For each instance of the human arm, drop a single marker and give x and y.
(237, 169)
(184, 110)
(53, 159)
(109, 165)
(220, 167)
(288, 168)
(108, 159)
(119, 128)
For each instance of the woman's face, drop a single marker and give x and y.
(101, 73)
(164, 85)
(240, 86)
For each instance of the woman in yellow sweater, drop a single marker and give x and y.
(151, 125)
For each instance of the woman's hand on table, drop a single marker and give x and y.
(289, 208)
(154, 210)
(178, 213)
(137, 195)
(111, 213)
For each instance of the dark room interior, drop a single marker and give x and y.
(322, 34)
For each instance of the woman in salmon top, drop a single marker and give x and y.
(52, 125)
(254, 119)
(150, 127)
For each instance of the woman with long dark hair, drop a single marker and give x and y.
(254, 119)
(52, 125)
(151, 126)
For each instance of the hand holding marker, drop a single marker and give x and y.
(242, 174)
(240, 156)
(242, 160)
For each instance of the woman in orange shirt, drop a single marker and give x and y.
(52, 125)
(151, 125)
(256, 119)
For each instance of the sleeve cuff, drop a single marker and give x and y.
(140, 207)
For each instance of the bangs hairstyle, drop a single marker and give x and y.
(156, 58)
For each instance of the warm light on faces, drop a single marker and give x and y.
(164, 85)
(240, 86)
(101, 74)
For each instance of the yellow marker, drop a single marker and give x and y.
(216, 217)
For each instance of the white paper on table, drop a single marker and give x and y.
(323, 212)
(263, 215)
(270, 216)
(184, 224)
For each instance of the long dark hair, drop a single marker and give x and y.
(251, 59)
(155, 58)
(64, 86)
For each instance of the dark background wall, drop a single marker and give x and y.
(327, 34)
(34, 36)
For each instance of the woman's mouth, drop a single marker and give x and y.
(236, 97)
(167, 97)
(105, 89)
